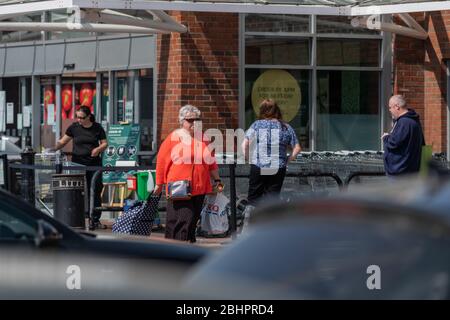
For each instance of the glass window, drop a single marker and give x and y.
(105, 96)
(276, 50)
(276, 23)
(146, 109)
(15, 36)
(348, 110)
(65, 16)
(348, 52)
(339, 24)
(48, 112)
(125, 96)
(11, 86)
(289, 88)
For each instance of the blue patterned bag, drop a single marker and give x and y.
(138, 219)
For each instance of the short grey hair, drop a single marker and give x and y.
(399, 100)
(185, 110)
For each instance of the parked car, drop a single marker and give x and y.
(27, 273)
(23, 226)
(361, 246)
(341, 247)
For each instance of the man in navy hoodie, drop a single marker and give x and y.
(403, 145)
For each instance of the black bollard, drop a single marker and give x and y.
(27, 186)
(5, 171)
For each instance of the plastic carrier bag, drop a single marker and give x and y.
(214, 216)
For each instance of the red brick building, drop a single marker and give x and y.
(331, 77)
(420, 73)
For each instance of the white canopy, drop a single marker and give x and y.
(116, 15)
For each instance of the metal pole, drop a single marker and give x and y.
(58, 163)
(448, 111)
(232, 168)
(27, 184)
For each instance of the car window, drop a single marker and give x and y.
(16, 226)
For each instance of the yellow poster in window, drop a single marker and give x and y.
(280, 86)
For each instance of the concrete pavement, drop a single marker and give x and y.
(158, 235)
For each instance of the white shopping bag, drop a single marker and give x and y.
(214, 217)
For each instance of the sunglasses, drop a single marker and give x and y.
(192, 120)
(81, 118)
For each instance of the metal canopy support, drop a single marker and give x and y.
(78, 27)
(374, 22)
(90, 19)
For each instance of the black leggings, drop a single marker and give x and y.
(262, 185)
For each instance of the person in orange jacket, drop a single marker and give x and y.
(184, 155)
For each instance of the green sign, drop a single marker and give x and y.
(123, 145)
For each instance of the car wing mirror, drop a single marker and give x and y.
(47, 235)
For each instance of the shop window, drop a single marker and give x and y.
(277, 23)
(125, 96)
(289, 88)
(340, 24)
(48, 112)
(105, 97)
(17, 101)
(348, 52)
(276, 50)
(348, 110)
(129, 97)
(146, 109)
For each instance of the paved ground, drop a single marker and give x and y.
(158, 235)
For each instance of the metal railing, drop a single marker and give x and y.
(27, 167)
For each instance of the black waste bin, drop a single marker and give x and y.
(68, 199)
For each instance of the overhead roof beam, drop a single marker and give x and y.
(264, 7)
(202, 6)
(236, 7)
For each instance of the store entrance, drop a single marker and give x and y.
(76, 91)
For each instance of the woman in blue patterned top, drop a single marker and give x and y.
(265, 145)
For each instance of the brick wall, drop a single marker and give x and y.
(199, 67)
(420, 74)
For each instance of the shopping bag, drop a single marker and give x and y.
(138, 218)
(214, 216)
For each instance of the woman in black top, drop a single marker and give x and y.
(89, 141)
